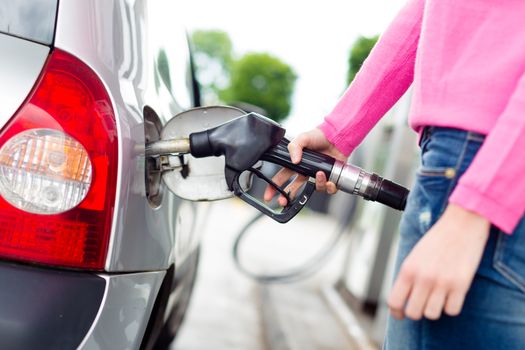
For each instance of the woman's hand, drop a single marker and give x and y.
(438, 272)
(313, 140)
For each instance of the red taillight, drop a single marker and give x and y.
(71, 99)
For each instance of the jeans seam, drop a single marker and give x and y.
(455, 179)
(502, 268)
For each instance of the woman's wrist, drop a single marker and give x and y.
(467, 218)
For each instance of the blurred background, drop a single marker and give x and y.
(313, 39)
(291, 61)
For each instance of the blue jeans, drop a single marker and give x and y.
(493, 316)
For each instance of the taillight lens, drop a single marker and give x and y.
(44, 171)
(58, 170)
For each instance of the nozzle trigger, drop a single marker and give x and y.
(288, 212)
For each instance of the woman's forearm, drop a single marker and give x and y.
(383, 79)
(493, 184)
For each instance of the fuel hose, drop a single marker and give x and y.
(307, 268)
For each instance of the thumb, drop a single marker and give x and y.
(296, 148)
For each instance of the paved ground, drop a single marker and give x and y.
(230, 311)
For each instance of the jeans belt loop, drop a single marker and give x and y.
(424, 135)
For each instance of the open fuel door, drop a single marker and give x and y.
(197, 179)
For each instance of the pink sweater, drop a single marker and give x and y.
(466, 60)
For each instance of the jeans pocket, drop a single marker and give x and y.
(509, 256)
(433, 186)
(442, 154)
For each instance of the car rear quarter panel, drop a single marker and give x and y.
(118, 41)
(21, 62)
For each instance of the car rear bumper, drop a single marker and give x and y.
(42, 308)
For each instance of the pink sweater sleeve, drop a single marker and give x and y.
(493, 184)
(382, 80)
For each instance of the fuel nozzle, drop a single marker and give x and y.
(352, 179)
(347, 177)
(248, 139)
(161, 147)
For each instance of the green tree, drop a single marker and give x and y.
(262, 80)
(358, 54)
(213, 56)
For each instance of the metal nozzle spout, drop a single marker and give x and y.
(163, 147)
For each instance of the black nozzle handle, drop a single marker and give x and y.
(200, 145)
(241, 141)
(311, 162)
(378, 189)
(287, 213)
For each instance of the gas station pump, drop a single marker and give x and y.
(366, 276)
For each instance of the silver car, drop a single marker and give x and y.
(95, 252)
